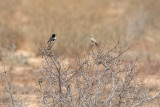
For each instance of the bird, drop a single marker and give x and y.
(93, 40)
(52, 38)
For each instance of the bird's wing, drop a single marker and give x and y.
(93, 40)
(55, 38)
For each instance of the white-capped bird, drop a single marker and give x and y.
(93, 40)
(52, 38)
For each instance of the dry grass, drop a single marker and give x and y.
(74, 21)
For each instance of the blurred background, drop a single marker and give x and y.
(24, 24)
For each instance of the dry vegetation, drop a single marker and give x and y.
(26, 25)
(73, 21)
(96, 78)
(99, 78)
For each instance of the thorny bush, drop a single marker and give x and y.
(95, 78)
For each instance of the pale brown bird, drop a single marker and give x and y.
(93, 40)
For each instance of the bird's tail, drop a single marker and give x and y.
(48, 41)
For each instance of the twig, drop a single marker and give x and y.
(146, 100)
(9, 87)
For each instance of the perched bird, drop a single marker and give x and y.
(93, 40)
(52, 38)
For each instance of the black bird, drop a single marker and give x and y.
(52, 38)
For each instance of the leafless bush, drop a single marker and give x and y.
(10, 100)
(98, 77)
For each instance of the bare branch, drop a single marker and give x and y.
(9, 87)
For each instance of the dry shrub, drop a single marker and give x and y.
(8, 96)
(99, 77)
